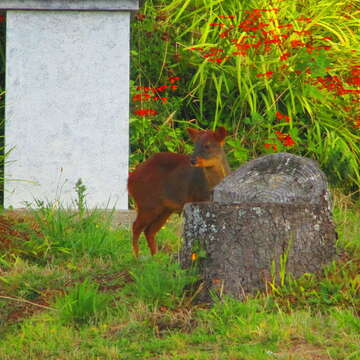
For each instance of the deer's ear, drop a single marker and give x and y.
(220, 134)
(193, 133)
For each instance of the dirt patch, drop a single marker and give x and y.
(10, 228)
(19, 310)
(114, 281)
(304, 351)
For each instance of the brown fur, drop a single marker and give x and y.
(162, 184)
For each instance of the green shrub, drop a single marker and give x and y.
(280, 78)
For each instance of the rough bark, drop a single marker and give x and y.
(239, 241)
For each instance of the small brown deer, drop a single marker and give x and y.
(162, 184)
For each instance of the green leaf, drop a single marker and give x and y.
(256, 117)
(313, 91)
(247, 121)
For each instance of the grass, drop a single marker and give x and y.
(60, 301)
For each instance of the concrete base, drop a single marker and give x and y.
(119, 218)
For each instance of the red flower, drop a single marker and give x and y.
(354, 81)
(145, 112)
(309, 48)
(289, 26)
(288, 141)
(272, 41)
(272, 146)
(217, 60)
(144, 88)
(243, 46)
(325, 47)
(280, 135)
(256, 45)
(141, 97)
(285, 139)
(304, 19)
(262, 25)
(242, 53)
(163, 99)
(225, 34)
(302, 32)
(281, 116)
(161, 88)
(296, 43)
(349, 91)
(139, 16)
(284, 56)
(267, 48)
(266, 75)
(216, 50)
(173, 79)
(174, 87)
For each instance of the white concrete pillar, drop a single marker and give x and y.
(67, 100)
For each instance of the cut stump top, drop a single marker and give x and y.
(276, 178)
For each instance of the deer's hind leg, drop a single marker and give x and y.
(144, 220)
(152, 229)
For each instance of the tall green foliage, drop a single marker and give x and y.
(283, 76)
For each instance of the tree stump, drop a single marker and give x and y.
(270, 217)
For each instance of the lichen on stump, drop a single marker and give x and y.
(273, 210)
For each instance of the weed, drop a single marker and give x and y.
(161, 282)
(82, 305)
(80, 202)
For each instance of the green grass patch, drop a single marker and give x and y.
(104, 304)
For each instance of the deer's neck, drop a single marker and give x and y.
(216, 173)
